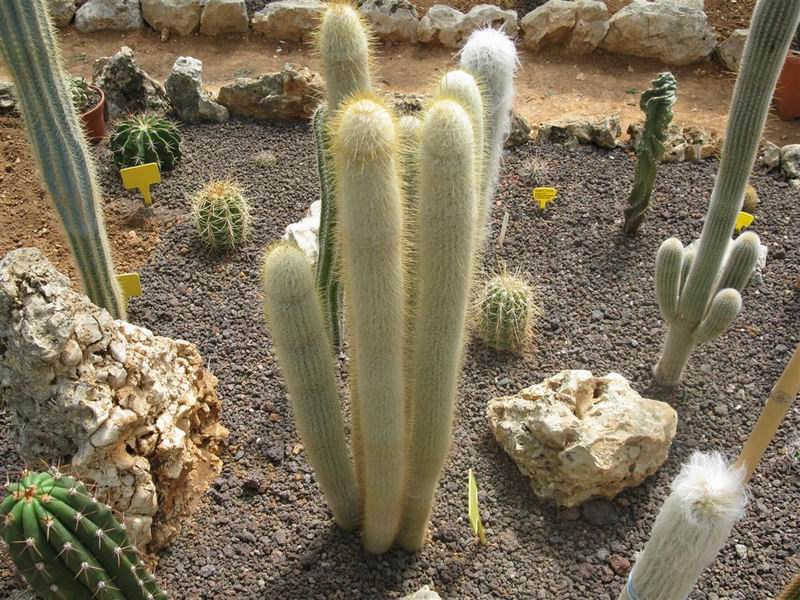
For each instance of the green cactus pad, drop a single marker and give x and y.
(506, 313)
(67, 544)
(143, 139)
(221, 215)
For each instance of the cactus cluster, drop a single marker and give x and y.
(28, 45)
(403, 201)
(68, 545)
(78, 89)
(221, 214)
(699, 293)
(142, 139)
(506, 313)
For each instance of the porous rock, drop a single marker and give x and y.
(391, 20)
(290, 20)
(179, 16)
(450, 28)
(573, 131)
(790, 161)
(580, 437)
(288, 95)
(675, 32)
(128, 88)
(117, 15)
(730, 51)
(184, 87)
(577, 26)
(682, 143)
(520, 131)
(771, 156)
(424, 593)
(8, 98)
(305, 232)
(224, 16)
(135, 413)
(61, 11)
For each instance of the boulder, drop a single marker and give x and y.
(61, 11)
(134, 413)
(305, 232)
(128, 88)
(184, 87)
(681, 144)
(520, 131)
(573, 131)
(790, 161)
(771, 157)
(289, 20)
(575, 25)
(580, 437)
(180, 16)
(288, 95)
(118, 15)
(224, 16)
(488, 15)
(392, 21)
(8, 99)
(424, 593)
(670, 31)
(450, 27)
(731, 50)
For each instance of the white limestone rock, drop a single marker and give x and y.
(184, 87)
(289, 20)
(580, 437)
(730, 51)
(179, 16)
(577, 26)
(305, 232)
(790, 161)
(128, 88)
(224, 16)
(450, 28)
(61, 11)
(424, 593)
(393, 21)
(117, 15)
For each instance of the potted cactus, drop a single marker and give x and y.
(89, 102)
(787, 92)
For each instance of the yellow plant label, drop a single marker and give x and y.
(544, 196)
(474, 511)
(744, 220)
(131, 284)
(141, 177)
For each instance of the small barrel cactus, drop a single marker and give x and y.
(221, 215)
(78, 89)
(68, 545)
(506, 313)
(750, 199)
(142, 139)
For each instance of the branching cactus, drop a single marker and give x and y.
(699, 300)
(28, 44)
(656, 103)
(68, 545)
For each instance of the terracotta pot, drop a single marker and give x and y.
(787, 92)
(94, 119)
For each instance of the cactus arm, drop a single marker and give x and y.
(688, 258)
(741, 262)
(669, 263)
(446, 235)
(369, 208)
(28, 44)
(725, 307)
(294, 313)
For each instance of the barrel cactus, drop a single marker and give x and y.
(68, 545)
(221, 215)
(506, 313)
(78, 89)
(750, 203)
(142, 139)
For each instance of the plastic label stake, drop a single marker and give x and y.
(141, 177)
(544, 196)
(474, 511)
(131, 285)
(743, 220)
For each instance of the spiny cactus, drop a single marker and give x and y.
(506, 313)
(142, 139)
(28, 44)
(699, 301)
(294, 314)
(750, 199)
(68, 545)
(221, 215)
(78, 90)
(656, 103)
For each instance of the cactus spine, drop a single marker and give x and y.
(368, 197)
(294, 314)
(771, 31)
(505, 313)
(28, 45)
(68, 545)
(142, 139)
(221, 214)
(445, 238)
(344, 48)
(656, 103)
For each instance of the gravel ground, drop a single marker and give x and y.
(263, 530)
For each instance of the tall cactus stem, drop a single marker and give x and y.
(28, 44)
(370, 230)
(294, 314)
(447, 215)
(678, 346)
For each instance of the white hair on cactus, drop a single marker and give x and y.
(710, 489)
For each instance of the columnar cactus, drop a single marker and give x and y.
(28, 44)
(294, 313)
(68, 545)
(221, 215)
(142, 139)
(505, 312)
(704, 301)
(656, 103)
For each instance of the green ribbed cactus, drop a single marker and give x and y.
(28, 44)
(78, 89)
(221, 215)
(294, 315)
(68, 545)
(344, 48)
(506, 313)
(656, 103)
(142, 139)
(699, 300)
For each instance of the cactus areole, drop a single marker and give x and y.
(67, 544)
